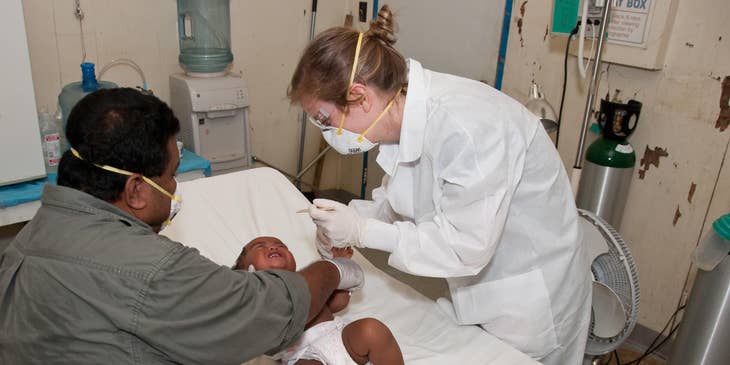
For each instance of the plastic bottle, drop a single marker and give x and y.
(204, 29)
(50, 142)
(73, 92)
(715, 246)
(58, 121)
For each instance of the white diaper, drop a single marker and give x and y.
(323, 343)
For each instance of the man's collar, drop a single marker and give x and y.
(69, 198)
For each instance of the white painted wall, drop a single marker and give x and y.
(465, 33)
(681, 105)
(267, 38)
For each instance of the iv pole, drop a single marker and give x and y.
(578, 166)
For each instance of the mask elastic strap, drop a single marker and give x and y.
(125, 172)
(352, 78)
(382, 114)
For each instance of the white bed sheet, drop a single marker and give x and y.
(222, 213)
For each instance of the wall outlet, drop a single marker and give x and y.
(594, 18)
(362, 12)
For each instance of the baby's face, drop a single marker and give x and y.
(266, 253)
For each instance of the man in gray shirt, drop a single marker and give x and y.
(90, 281)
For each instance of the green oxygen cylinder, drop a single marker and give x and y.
(610, 160)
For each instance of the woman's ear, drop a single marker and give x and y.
(362, 96)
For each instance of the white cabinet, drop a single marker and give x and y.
(21, 157)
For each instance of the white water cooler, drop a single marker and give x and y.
(213, 114)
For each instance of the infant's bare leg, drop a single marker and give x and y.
(308, 362)
(369, 339)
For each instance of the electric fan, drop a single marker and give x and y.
(615, 304)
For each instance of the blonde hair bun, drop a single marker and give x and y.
(384, 26)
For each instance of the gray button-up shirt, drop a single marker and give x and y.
(86, 283)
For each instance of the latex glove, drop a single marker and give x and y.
(323, 246)
(351, 275)
(339, 224)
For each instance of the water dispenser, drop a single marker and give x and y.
(211, 104)
(204, 29)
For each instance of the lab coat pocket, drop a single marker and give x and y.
(516, 309)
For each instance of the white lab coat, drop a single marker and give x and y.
(475, 192)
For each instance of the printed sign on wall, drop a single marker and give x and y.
(629, 23)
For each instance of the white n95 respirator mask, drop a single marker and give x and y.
(346, 142)
(175, 206)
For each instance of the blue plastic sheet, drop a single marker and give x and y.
(15, 194)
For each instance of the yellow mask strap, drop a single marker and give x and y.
(125, 172)
(380, 116)
(352, 78)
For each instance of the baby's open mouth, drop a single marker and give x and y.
(273, 254)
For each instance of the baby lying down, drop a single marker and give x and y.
(326, 339)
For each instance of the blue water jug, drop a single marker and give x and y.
(73, 92)
(204, 27)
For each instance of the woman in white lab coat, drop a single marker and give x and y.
(474, 190)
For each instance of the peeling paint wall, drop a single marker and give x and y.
(651, 158)
(682, 182)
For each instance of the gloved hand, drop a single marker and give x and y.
(323, 246)
(340, 225)
(351, 275)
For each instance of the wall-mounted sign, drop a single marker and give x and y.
(629, 23)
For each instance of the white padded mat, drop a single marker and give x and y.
(220, 214)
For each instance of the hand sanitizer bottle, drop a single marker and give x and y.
(50, 141)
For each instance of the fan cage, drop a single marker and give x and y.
(617, 270)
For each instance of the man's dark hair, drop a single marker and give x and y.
(123, 128)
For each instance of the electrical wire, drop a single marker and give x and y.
(593, 47)
(128, 62)
(565, 82)
(652, 348)
(581, 41)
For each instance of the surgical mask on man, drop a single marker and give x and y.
(175, 198)
(175, 203)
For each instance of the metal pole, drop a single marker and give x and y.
(591, 91)
(294, 178)
(506, 20)
(309, 165)
(303, 117)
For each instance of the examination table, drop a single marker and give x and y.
(222, 213)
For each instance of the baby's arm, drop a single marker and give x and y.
(338, 300)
